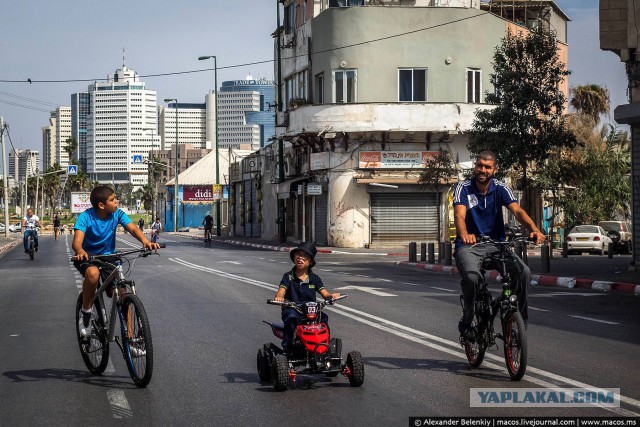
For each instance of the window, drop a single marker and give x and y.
(412, 85)
(344, 86)
(474, 86)
(290, 18)
(320, 88)
(345, 3)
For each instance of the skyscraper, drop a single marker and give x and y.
(119, 111)
(79, 113)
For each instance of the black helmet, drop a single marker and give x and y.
(308, 248)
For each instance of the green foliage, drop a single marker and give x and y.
(527, 124)
(438, 172)
(591, 100)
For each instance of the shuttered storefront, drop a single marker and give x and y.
(255, 211)
(403, 217)
(238, 209)
(321, 208)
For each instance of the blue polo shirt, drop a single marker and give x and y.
(299, 291)
(100, 234)
(484, 211)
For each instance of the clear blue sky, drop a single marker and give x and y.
(77, 40)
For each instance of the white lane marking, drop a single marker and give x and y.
(442, 289)
(423, 339)
(230, 262)
(324, 269)
(374, 291)
(410, 284)
(385, 280)
(539, 309)
(591, 319)
(119, 404)
(362, 275)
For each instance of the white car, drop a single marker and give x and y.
(588, 238)
(15, 228)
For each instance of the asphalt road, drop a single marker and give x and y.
(206, 308)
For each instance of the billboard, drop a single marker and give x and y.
(394, 159)
(80, 202)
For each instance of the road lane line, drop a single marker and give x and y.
(431, 341)
(442, 289)
(591, 319)
(119, 404)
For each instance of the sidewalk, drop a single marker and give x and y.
(577, 271)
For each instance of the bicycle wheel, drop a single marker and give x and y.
(137, 347)
(94, 350)
(473, 347)
(32, 250)
(515, 345)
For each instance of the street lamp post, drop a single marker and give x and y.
(177, 171)
(215, 74)
(153, 178)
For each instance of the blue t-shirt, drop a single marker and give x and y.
(484, 211)
(299, 291)
(100, 234)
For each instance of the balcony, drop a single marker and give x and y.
(375, 117)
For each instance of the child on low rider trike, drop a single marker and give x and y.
(300, 286)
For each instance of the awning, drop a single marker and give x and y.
(286, 187)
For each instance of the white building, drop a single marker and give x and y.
(196, 124)
(63, 133)
(117, 142)
(23, 163)
(49, 142)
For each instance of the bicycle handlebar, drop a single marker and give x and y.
(291, 304)
(143, 253)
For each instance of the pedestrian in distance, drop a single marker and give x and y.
(95, 234)
(141, 223)
(300, 285)
(477, 206)
(56, 226)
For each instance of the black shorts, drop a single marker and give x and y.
(208, 227)
(105, 270)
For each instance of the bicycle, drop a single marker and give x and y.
(31, 246)
(135, 340)
(207, 237)
(482, 335)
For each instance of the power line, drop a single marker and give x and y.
(25, 106)
(29, 81)
(36, 101)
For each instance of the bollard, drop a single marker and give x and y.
(612, 250)
(544, 258)
(447, 254)
(432, 253)
(423, 251)
(412, 251)
(565, 250)
(440, 252)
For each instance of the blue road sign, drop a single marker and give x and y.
(137, 158)
(72, 170)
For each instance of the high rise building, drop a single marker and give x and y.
(246, 113)
(120, 110)
(49, 142)
(62, 135)
(23, 163)
(79, 113)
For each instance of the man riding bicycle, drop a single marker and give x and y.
(208, 225)
(30, 224)
(477, 204)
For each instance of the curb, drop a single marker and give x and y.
(540, 279)
(7, 247)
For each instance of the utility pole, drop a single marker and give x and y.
(5, 180)
(281, 213)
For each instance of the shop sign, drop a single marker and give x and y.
(394, 159)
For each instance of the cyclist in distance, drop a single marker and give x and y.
(477, 205)
(156, 227)
(95, 234)
(30, 224)
(208, 225)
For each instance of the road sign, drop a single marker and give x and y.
(72, 170)
(314, 189)
(137, 158)
(217, 191)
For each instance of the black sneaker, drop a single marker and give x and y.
(36, 249)
(465, 329)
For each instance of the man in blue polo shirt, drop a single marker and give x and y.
(477, 206)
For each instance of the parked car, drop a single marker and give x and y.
(1, 227)
(588, 238)
(16, 228)
(620, 234)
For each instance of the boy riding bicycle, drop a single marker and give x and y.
(95, 234)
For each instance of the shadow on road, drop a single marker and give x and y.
(73, 375)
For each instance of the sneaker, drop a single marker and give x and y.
(84, 324)
(36, 249)
(26, 252)
(465, 329)
(136, 351)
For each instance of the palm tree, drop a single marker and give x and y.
(70, 148)
(591, 100)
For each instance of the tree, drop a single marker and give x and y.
(590, 99)
(70, 148)
(438, 172)
(527, 124)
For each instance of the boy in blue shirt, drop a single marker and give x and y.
(300, 286)
(95, 234)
